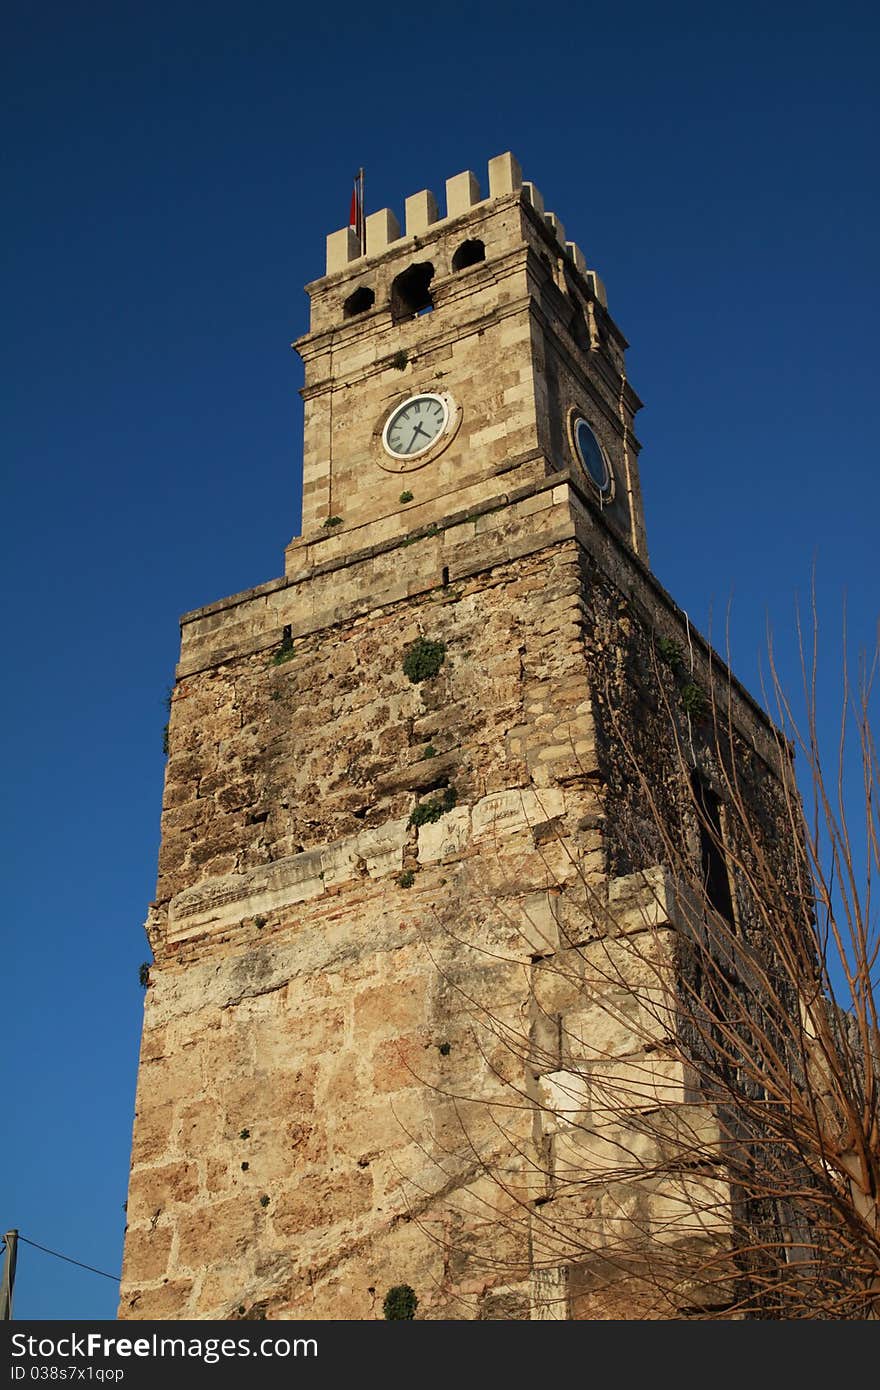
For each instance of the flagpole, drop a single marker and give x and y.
(362, 221)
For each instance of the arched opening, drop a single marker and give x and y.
(469, 253)
(713, 860)
(578, 328)
(411, 292)
(358, 303)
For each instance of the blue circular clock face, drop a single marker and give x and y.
(592, 456)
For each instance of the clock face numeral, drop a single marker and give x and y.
(414, 426)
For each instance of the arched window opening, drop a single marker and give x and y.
(578, 328)
(469, 253)
(713, 860)
(358, 303)
(411, 292)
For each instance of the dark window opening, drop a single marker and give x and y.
(445, 575)
(358, 303)
(578, 328)
(713, 865)
(411, 292)
(469, 253)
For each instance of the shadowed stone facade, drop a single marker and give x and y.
(324, 1042)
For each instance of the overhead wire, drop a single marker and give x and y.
(67, 1258)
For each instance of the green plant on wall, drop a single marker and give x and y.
(400, 1303)
(693, 700)
(427, 534)
(286, 650)
(428, 811)
(692, 697)
(423, 659)
(169, 696)
(669, 651)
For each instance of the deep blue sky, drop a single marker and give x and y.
(170, 173)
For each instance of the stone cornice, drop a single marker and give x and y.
(589, 528)
(454, 334)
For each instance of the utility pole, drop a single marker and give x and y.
(11, 1238)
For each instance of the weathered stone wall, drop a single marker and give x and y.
(664, 707)
(355, 1024)
(305, 1005)
(569, 381)
(655, 681)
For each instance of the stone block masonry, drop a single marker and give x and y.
(326, 969)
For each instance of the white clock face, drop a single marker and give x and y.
(414, 426)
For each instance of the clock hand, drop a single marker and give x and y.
(416, 432)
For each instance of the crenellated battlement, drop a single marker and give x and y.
(484, 303)
(463, 194)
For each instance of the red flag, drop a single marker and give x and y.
(356, 214)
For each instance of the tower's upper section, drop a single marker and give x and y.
(471, 355)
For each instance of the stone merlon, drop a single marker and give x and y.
(422, 212)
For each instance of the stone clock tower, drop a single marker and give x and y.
(396, 798)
